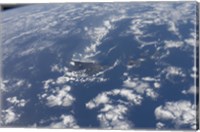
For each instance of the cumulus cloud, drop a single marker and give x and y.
(100, 99)
(157, 85)
(67, 121)
(180, 113)
(105, 97)
(61, 97)
(15, 84)
(191, 40)
(20, 83)
(97, 34)
(172, 72)
(18, 102)
(9, 116)
(112, 113)
(191, 90)
(173, 27)
(141, 87)
(47, 83)
(56, 68)
(173, 44)
(132, 91)
(175, 71)
(161, 15)
(3, 86)
(113, 117)
(62, 80)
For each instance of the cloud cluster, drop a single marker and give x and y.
(11, 113)
(67, 121)
(112, 113)
(142, 87)
(9, 116)
(172, 72)
(18, 102)
(57, 92)
(163, 14)
(180, 113)
(96, 34)
(14, 84)
(192, 90)
(113, 117)
(173, 44)
(58, 97)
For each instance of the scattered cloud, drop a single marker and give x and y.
(14, 84)
(173, 44)
(112, 113)
(60, 97)
(191, 90)
(113, 117)
(160, 125)
(172, 72)
(67, 121)
(47, 83)
(180, 113)
(18, 102)
(9, 116)
(141, 87)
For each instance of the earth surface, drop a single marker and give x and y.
(99, 65)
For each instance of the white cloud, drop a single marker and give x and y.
(191, 90)
(56, 68)
(62, 80)
(173, 27)
(9, 116)
(156, 85)
(105, 97)
(47, 83)
(112, 113)
(190, 41)
(20, 83)
(151, 93)
(141, 87)
(96, 34)
(100, 99)
(129, 83)
(180, 113)
(161, 14)
(61, 97)
(15, 84)
(67, 121)
(149, 79)
(17, 102)
(107, 24)
(113, 117)
(160, 125)
(172, 71)
(130, 96)
(2, 86)
(173, 44)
